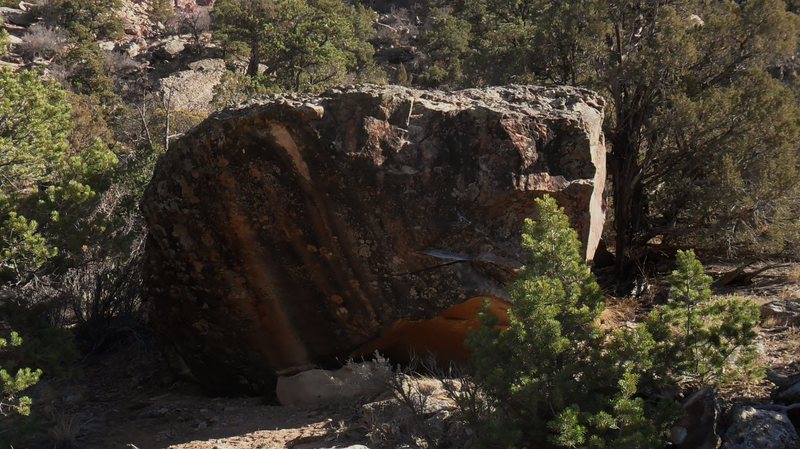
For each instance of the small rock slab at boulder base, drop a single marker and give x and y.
(353, 383)
(294, 230)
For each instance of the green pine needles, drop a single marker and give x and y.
(704, 340)
(554, 379)
(12, 385)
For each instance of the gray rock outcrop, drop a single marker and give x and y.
(193, 90)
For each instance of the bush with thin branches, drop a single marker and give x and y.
(41, 41)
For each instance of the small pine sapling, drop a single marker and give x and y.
(704, 340)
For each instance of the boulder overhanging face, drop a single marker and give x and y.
(292, 231)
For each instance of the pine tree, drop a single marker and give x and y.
(12, 385)
(552, 377)
(40, 172)
(704, 340)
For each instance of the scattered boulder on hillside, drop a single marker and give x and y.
(193, 90)
(170, 49)
(189, 4)
(17, 16)
(295, 230)
(784, 312)
(753, 428)
(13, 40)
(135, 17)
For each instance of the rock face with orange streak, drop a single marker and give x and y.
(292, 231)
(442, 335)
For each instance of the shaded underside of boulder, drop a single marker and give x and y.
(289, 232)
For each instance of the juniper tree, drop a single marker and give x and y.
(702, 138)
(161, 10)
(86, 20)
(303, 45)
(445, 38)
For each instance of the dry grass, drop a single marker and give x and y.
(618, 312)
(772, 322)
(65, 430)
(782, 347)
(793, 274)
(41, 42)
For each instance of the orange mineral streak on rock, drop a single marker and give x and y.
(278, 341)
(443, 335)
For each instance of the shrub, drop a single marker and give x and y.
(234, 88)
(121, 63)
(11, 386)
(702, 339)
(86, 20)
(552, 376)
(3, 40)
(41, 42)
(195, 21)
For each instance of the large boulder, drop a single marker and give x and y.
(790, 395)
(295, 230)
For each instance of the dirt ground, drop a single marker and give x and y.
(122, 404)
(129, 411)
(778, 334)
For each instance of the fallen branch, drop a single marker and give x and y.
(740, 276)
